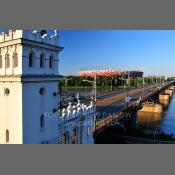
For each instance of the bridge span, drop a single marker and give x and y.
(116, 106)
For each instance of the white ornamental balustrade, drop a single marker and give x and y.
(75, 112)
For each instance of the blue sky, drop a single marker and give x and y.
(150, 50)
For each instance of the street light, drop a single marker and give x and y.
(128, 98)
(143, 84)
(66, 80)
(111, 82)
(123, 83)
(94, 84)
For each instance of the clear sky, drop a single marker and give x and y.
(150, 50)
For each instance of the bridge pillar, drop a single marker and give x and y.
(172, 88)
(164, 97)
(152, 107)
(169, 92)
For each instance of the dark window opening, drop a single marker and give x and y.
(63, 139)
(42, 122)
(31, 60)
(42, 61)
(88, 131)
(42, 91)
(7, 136)
(7, 61)
(6, 91)
(74, 136)
(45, 142)
(51, 62)
(15, 60)
(0, 61)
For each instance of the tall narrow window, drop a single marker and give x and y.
(88, 131)
(15, 60)
(7, 61)
(31, 60)
(0, 61)
(74, 136)
(51, 62)
(42, 61)
(42, 121)
(64, 139)
(7, 136)
(6, 91)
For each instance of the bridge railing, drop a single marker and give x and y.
(106, 122)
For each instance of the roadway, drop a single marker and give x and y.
(111, 94)
(106, 110)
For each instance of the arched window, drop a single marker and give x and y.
(42, 60)
(65, 138)
(7, 136)
(6, 91)
(88, 131)
(42, 91)
(51, 62)
(7, 60)
(74, 136)
(15, 60)
(31, 59)
(0, 61)
(42, 121)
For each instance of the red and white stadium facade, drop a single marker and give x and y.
(110, 73)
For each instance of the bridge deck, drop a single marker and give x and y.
(103, 122)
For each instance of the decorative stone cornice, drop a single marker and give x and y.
(30, 78)
(30, 43)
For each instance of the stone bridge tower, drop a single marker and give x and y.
(28, 86)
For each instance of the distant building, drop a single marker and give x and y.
(110, 72)
(29, 93)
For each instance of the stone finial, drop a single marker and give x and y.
(91, 104)
(78, 109)
(69, 112)
(70, 107)
(79, 103)
(78, 96)
(35, 32)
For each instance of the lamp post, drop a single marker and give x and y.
(143, 84)
(66, 80)
(163, 81)
(94, 84)
(111, 82)
(127, 99)
(123, 83)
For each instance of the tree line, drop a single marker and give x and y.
(104, 82)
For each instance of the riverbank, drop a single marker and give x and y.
(117, 135)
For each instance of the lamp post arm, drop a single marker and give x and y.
(92, 82)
